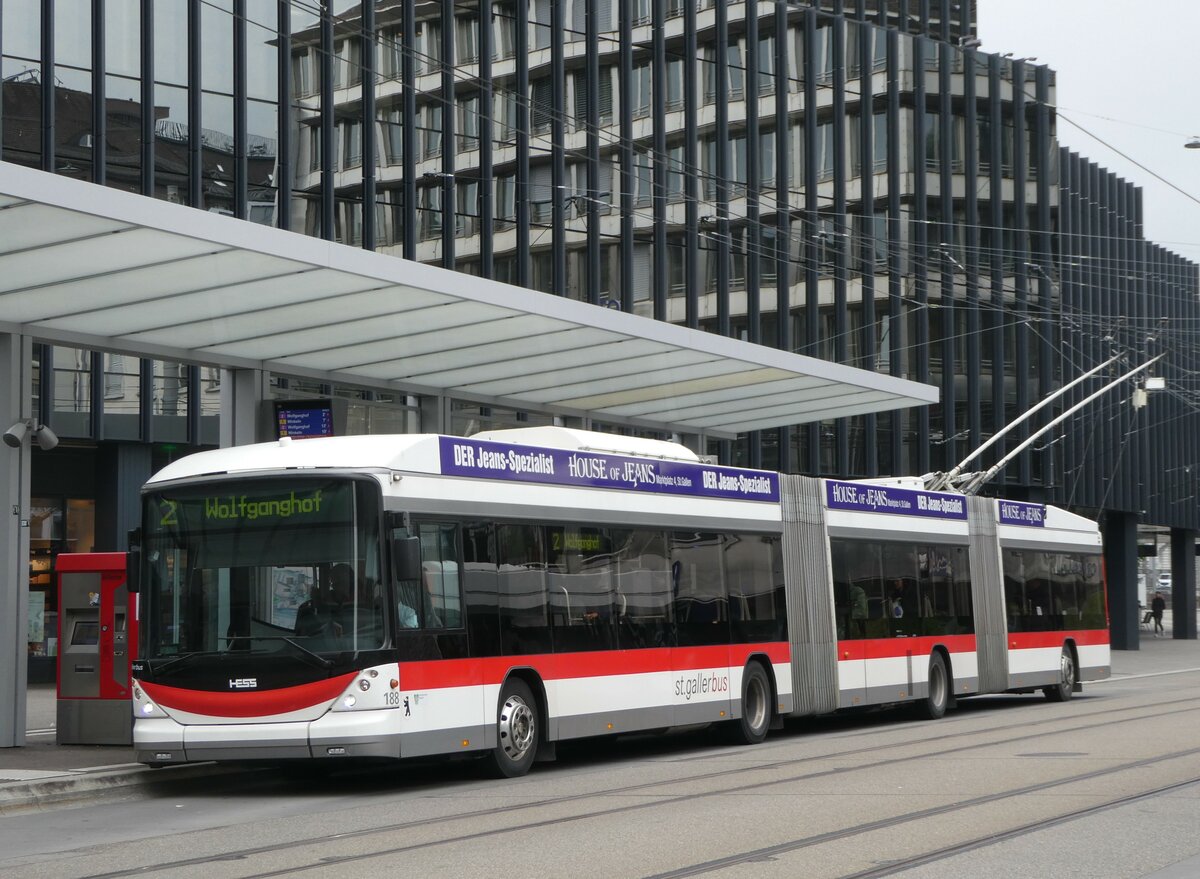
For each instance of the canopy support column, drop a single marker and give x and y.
(1120, 561)
(16, 357)
(1183, 584)
(242, 394)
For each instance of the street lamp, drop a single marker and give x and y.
(1193, 144)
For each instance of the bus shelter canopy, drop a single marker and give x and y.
(85, 265)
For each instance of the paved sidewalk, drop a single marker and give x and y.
(43, 771)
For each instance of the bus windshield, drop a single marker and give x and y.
(289, 566)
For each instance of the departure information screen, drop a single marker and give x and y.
(303, 419)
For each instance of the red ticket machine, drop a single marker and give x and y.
(97, 638)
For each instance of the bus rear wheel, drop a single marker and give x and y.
(516, 730)
(751, 728)
(1065, 687)
(934, 704)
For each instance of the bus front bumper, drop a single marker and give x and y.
(161, 740)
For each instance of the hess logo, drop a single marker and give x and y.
(243, 683)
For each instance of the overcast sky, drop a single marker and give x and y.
(1129, 75)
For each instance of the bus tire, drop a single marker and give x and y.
(933, 706)
(751, 728)
(1062, 691)
(517, 730)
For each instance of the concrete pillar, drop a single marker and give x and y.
(1183, 584)
(1120, 562)
(242, 394)
(435, 414)
(16, 355)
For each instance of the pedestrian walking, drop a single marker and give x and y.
(1157, 606)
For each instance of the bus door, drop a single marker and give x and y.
(853, 575)
(700, 659)
(895, 657)
(442, 695)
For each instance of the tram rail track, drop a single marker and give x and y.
(950, 851)
(934, 747)
(922, 814)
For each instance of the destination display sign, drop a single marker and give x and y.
(303, 420)
(490, 460)
(1020, 513)
(866, 498)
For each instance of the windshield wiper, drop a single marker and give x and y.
(319, 660)
(182, 660)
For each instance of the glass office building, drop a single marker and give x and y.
(849, 179)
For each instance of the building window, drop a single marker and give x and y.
(347, 63)
(169, 403)
(466, 39)
(539, 23)
(542, 271)
(429, 212)
(466, 217)
(314, 148)
(504, 115)
(393, 136)
(676, 265)
(675, 172)
(604, 87)
(541, 104)
(640, 91)
(504, 24)
(303, 80)
(114, 377)
(766, 158)
(879, 141)
(675, 84)
(391, 53)
(766, 65)
(643, 178)
(826, 156)
(505, 201)
(429, 131)
(351, 143)
(467, 125)
(428, 47)
(735, 72)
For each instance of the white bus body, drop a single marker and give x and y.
(640, 529)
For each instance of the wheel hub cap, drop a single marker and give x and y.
(516, 727)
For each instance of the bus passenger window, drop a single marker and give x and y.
(701, 610)
(441, 598)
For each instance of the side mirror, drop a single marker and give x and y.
(133, 561)
(133, 570)
(406, 558)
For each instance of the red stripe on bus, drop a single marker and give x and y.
(248, 703)
(437, 674)
(1030, 640)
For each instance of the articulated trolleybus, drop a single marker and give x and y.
(396, 596)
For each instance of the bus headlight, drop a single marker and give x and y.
(143, 706)
(362, 695)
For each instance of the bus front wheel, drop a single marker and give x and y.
(516, 730)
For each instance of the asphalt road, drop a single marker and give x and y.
(1107, 785)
